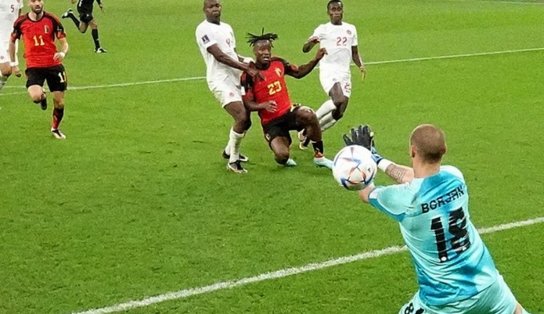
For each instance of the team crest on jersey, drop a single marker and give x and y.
(46, 29)
(278, 71)
(349, 32)
(205, 39)
(228, 41)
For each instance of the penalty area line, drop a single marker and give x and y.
(185, 293)
(198, 78)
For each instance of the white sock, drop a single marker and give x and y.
(327, 121)
(325, 108)
(234, 144)
(3, 80)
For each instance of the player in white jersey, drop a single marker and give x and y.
(217, 45)
(455, 272)
(340, 40)
(9, 12)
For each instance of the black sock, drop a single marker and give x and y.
(94, 32)
(74, 19)
(318, 147)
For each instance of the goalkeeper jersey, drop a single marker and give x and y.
(451, 261)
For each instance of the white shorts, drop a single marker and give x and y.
(495, 299)
(328, 79)
(226, 92)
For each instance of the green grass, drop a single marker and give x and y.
(137, 202)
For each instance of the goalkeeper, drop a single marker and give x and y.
(455, 271)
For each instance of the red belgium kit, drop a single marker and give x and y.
(273, 87)
(39, 39)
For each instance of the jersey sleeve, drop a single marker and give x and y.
(247, 87)
(318, 32)
(205, 37)
(16, 33)
(391, 200)
(233, 43)
(59, 29)
(289, 68)
(355, 40)
(453, 171)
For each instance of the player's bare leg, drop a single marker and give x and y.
(307, 118)
(70, 14)
(5, 71)
(333, 109)
(241, 123)
(280, 148)
(38, 95)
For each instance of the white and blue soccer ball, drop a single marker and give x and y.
(353, 167)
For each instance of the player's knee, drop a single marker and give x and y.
(341, 102)
(281, 158)
(36, 98)
(341, 106)
(307, 117)
(247, 124)
(5, 70)
(58, 101)
(337, 114)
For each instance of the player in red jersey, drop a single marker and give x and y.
(268, 95)
(43, 62)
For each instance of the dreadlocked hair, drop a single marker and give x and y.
(253, 39)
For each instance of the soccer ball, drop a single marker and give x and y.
(353, 167)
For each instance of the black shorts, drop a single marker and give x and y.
(55, 77)
(282, 125)
(85, 13)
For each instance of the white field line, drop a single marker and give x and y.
(185, 293)
(194, 78)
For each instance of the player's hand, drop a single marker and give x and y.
(59, 56)
(361, 135)
(362, 68)
(313, 39)
(320, 53)
(270, 106)
(254, 73)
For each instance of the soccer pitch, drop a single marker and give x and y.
(136, 204)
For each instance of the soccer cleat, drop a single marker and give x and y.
(58, 134)
(303, 140)
(67, 13)
(321, 161)
(43, 102)
(236, 167)
(241, 157)
(100, 50)
(290, 163)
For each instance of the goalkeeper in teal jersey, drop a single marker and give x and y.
(455, 272)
